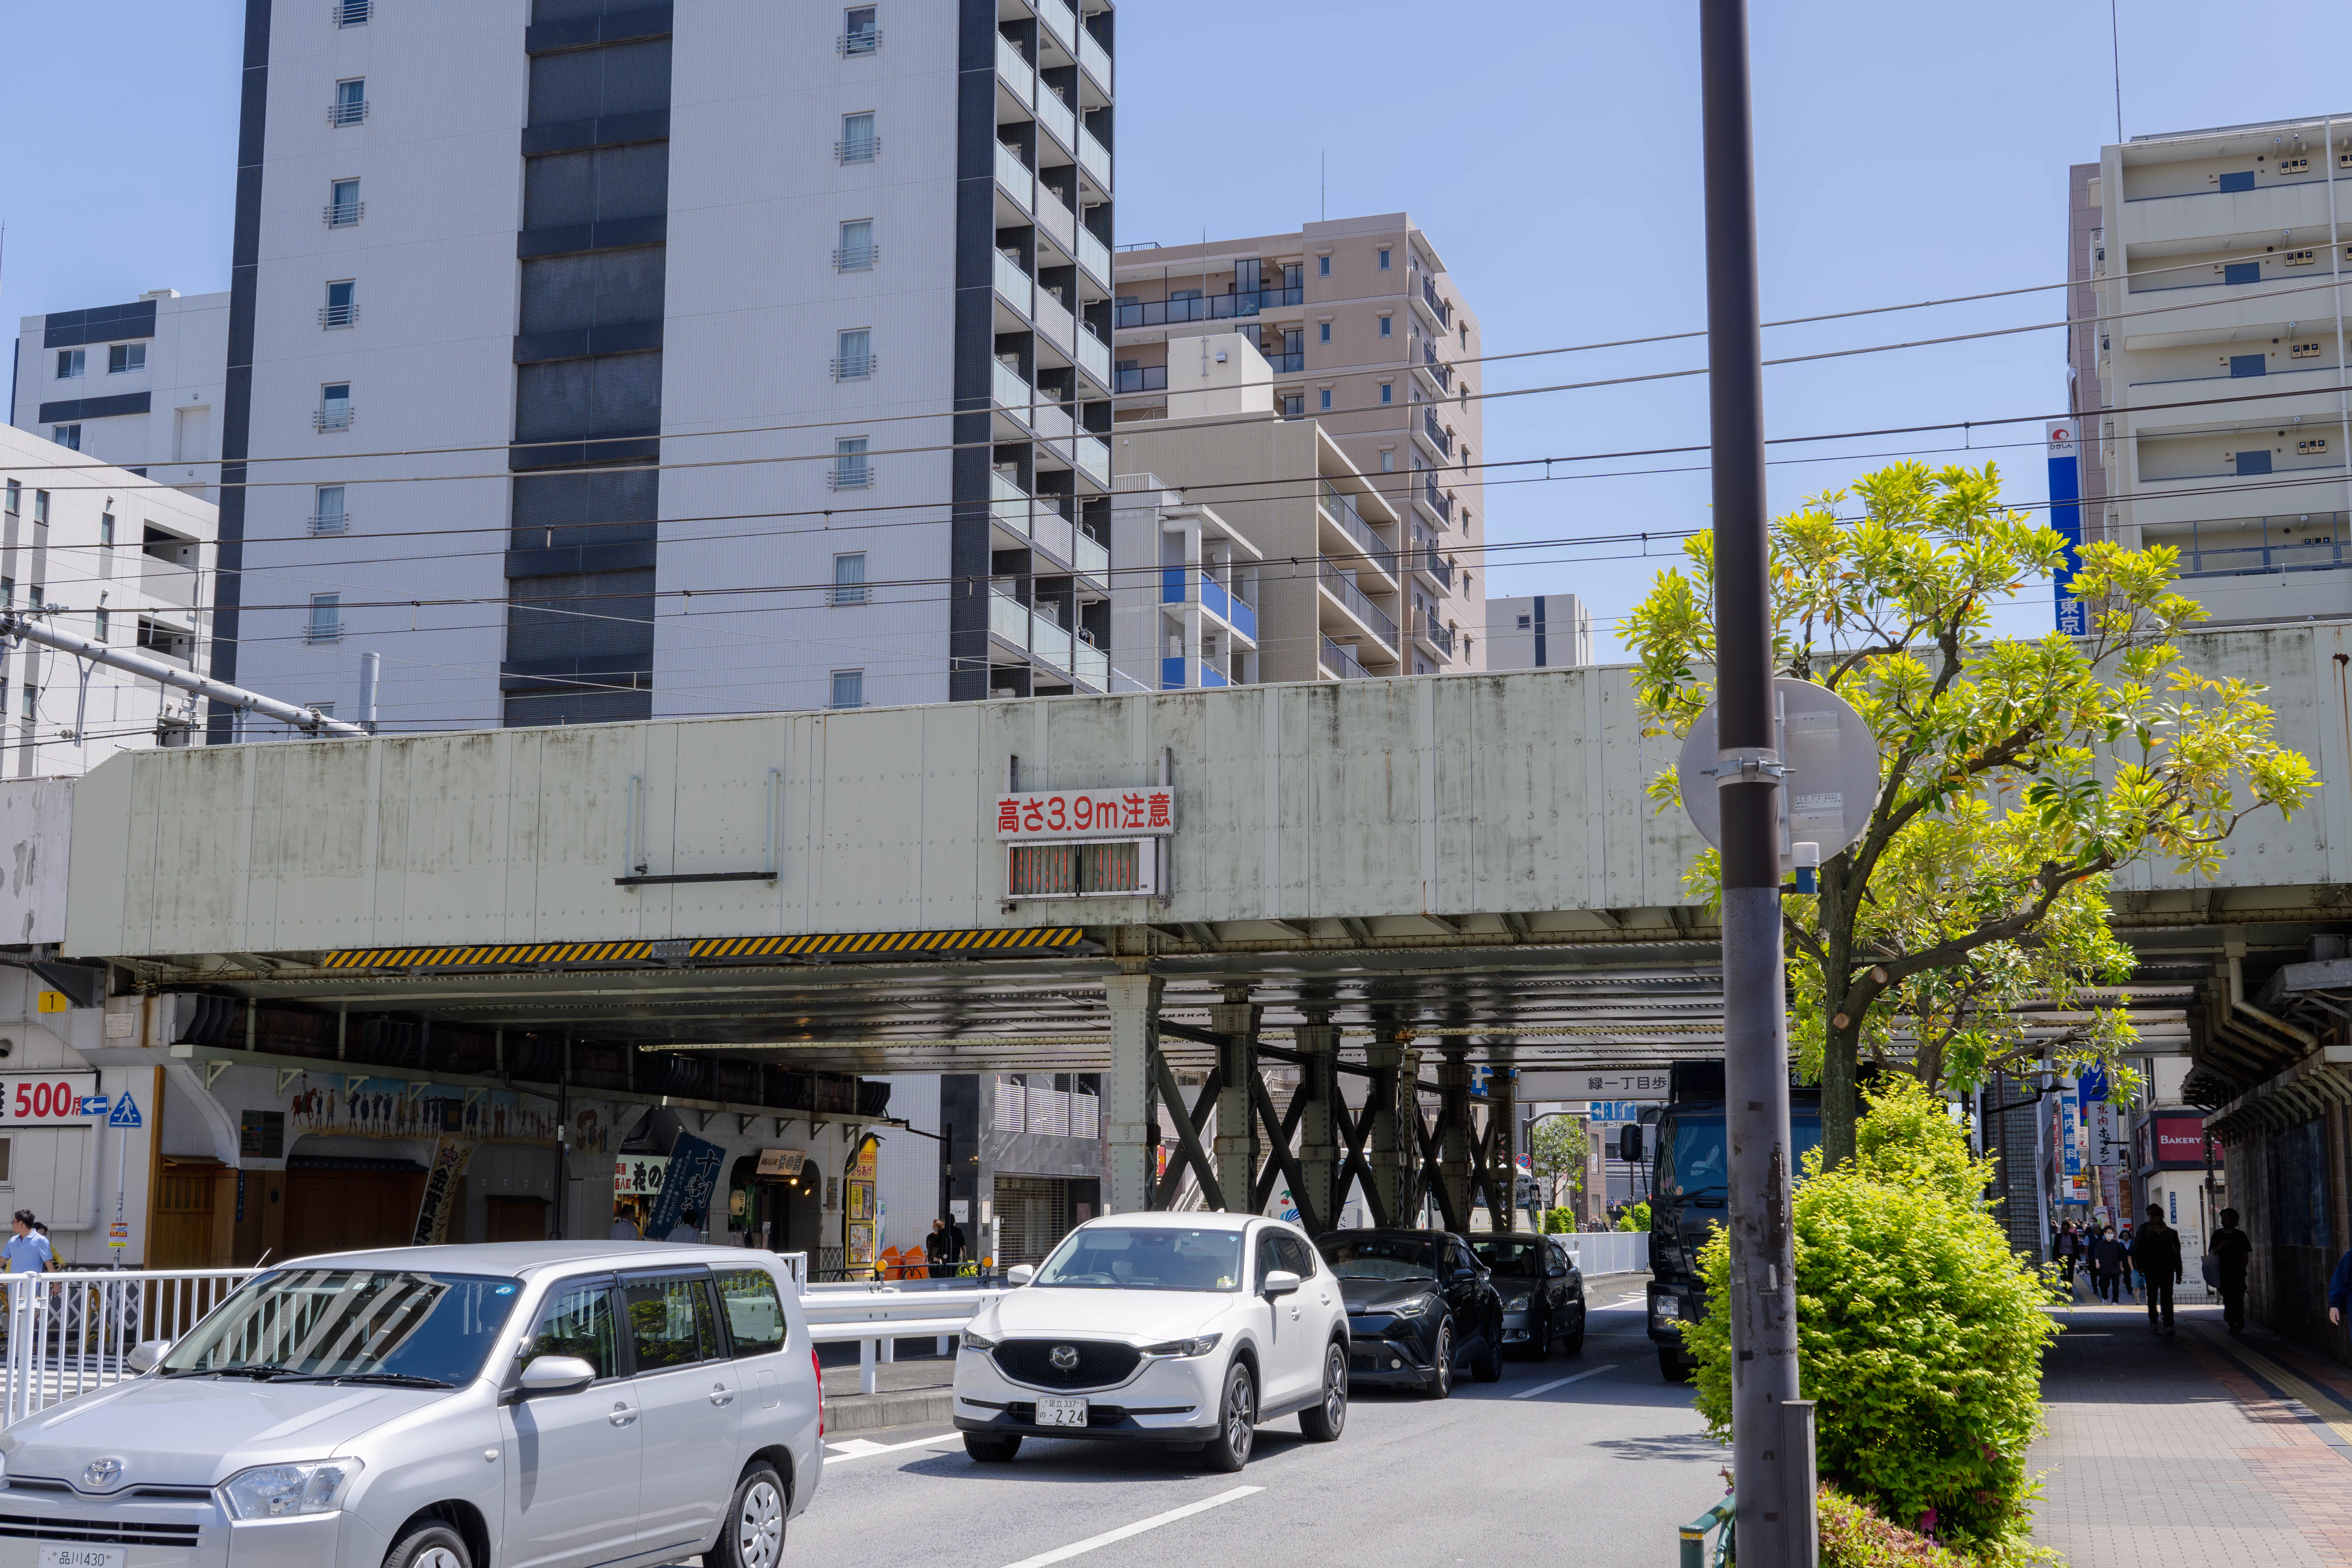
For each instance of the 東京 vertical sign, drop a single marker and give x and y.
(2066, 517)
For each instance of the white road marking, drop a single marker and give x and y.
(1564, 1382)
(862, 1448)
(1060, 1554)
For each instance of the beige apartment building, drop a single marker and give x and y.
(2206, 360)
(1367, 336)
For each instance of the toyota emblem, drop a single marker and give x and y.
(100, 1474)
(1065, 1358)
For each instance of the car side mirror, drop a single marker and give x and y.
(1460, 1275)
(147, 1353)
(1629, 1143)
(556, 1375)
(1280, 1282)
(1554, 1272)
(1020, 1274)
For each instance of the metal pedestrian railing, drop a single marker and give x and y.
(70, 1333)
(1609, 1252)
(876, 1317)
(1719, 1521)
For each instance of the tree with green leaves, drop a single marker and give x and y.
(1556, 1153)
(2017, 775)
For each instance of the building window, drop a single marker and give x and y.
(1384, 259)
(341, 308)
(1322, 266)
(858, 145)
(343, 209)
(1466, 342)
(1323, 399)
(326, 618)
(859, 35)
(15, 495)
(99, 622)
(350, 107)
(856, 253)
(353, 13)
(106, 530)
(1387, 326)
(1293, 405)
(850, 470)
(1526, 622)
(850, 689)
(327, 513)
(1388, 459)
(1322, 332)
(32, 701)
(124, 358)
(334, 407)
(1388, 392)
(41, 505)
(66, 436)
(69, 364)
(849, 579)
(853, 355)
(7, 593)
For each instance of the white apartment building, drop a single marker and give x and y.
(1366, 332)
(113, 557)
(1193, 624)
(136, 385)
(1540, 631)
(741, 346)
(2209, 391)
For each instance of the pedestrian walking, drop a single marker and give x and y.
(689, 1229)
(2106, 1266)
(2133, 1284)
(2159, 1246)
(26, 1250)
(936, 1249)
(2339, 1290)
(2231, 1250)
(2069, 1245)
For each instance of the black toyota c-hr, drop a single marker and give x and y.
(1419, 1302)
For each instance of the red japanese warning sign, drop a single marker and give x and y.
(1087, 813)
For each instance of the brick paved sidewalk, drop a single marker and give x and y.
(2196, 1450)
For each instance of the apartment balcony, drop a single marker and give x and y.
(1439, 436)
(1095, 158)
(1008, 618)
(1090, 664)
(1436, 637)
(1012, 390)
(168, 582)
(1287, 364)
(2266, 560)
(1094, 59)
(1094, 255)
(1433, 569)
(1061, 21)
(1339, 581)
(1053, 422)
(1437, 307)
(1009, 506)
(1014, 178)
(1179, 674)
(1090, 556)
(1204, 308)
(1054, 322)
(1337, 663)
(1339, 509)
(1056, 221)
(1019, 289)
(1092, 453)
(1053, 532)
(1050, 641)
(1439, 371)
(1054, 113)
(1142, 378)
(1430, 497)
(1094, 355)
(1013, 69)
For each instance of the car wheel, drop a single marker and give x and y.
(1573, 1341)
(1488, 1366)
(1229, 1450)
(1441, 1385)
(1322, 1423)
(991, 1450)
(430, 1546)
(754, 1532)
(1670, 1365)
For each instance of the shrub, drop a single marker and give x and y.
(1560, 1222)
(1634, 1218)
(1854, 1536)
(1918, 1332)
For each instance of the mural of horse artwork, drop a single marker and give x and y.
(354, 1107)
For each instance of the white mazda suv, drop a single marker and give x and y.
(1185, 1330)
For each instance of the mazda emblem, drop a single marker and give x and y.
(101, 1473)
(1065, 1358)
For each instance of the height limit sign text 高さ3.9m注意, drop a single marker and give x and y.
(1087, 813)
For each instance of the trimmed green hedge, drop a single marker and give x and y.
(1919, 1332)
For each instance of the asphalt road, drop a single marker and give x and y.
(1598, 1470)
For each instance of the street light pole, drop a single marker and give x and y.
(1769, 1468)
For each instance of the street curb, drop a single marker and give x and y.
(868, 1412)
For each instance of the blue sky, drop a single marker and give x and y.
(1905, 152)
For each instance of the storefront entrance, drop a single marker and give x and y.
(1034, 1213)
(345, 1205)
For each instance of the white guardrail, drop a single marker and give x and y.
(71, 1333)
(1609, 1252)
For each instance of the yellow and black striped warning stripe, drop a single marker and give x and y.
(876, 944)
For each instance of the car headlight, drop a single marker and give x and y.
(276, 1491)
(972, 1341)
(1412, 1309)
(1199, 1344)
(1665, 1309)
(1519, 1303)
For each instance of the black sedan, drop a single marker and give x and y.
(1419, 1302)
(1542, 1291)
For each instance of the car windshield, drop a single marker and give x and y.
(1145, 1258)
(1381, 1257)
(1507, 1254)
(1694, 1162)
(396, 1326)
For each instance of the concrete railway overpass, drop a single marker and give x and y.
(1377, 886)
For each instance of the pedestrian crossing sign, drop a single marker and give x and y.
(125, 1113)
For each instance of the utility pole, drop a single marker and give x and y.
(1770, 1467)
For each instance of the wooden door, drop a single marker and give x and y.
(515, 1219)
(183, 1221)
(346, 1210)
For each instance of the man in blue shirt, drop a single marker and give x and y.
(27, 1251)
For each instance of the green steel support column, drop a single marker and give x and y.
(1236, 1151)
(1134, 1009)
(1318, 1137)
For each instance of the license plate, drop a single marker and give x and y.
(1050, 1412)
(83, 1556)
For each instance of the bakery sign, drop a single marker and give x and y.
(1077, 814)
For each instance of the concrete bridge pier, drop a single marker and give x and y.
(1236, 1150)
(1126, 1088)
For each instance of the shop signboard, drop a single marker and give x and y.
(639, 1175)
(449, 1157)
(781, 1161)
(859, 1217)
(688, 1186)
(2070, 1136)
(2178, 1141)
(349, 1105)
(49, 1100)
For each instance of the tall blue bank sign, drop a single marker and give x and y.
(2066, 517)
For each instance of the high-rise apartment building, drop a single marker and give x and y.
(1542, 631)
(606, 358)
(2208, 359)
(137, 387)
(1369, 336)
